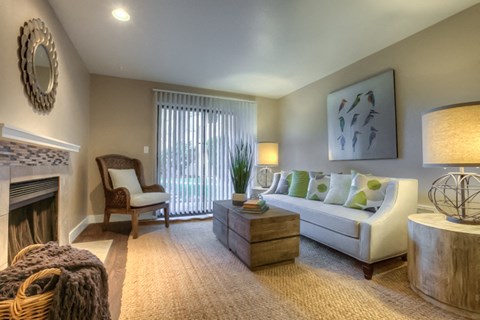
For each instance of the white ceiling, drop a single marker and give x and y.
(266, 48)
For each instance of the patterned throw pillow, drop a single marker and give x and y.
(367, 192)
(318, 186)
(299, 185)
(339, 188)
(284, 182)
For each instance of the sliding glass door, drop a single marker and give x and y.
(195, 134)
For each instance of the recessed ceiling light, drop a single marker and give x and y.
(121, 14)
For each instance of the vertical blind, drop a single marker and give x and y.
(194, 135)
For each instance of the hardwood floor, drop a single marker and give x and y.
(115, 262)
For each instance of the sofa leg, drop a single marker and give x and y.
(404, 257)
(367, 270)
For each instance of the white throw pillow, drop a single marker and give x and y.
(318, 186)
(284, 182)
(339, 188)
(125, 178)
(367, 192)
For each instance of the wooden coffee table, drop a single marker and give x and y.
(258, 240)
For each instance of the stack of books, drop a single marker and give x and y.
(254, 206)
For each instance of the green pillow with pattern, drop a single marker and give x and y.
(318, 186)
(367, 192)
(299, 185)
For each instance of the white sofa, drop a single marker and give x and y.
(366, 236)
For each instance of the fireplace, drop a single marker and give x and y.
(27, 158)
(33, 214)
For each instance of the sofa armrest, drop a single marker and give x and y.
(273, 186)
(386, 230)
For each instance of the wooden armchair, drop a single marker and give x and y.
(126, 192)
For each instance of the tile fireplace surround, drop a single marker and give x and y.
(23, 161)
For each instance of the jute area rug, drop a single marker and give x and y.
(184, 272)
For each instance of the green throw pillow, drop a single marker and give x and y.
(299, 185)
(367, 192)
(339, 188)
(318, 186)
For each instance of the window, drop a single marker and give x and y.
(194, 136)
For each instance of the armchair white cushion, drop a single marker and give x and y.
(148, 198)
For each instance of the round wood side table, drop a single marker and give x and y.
(444, 263)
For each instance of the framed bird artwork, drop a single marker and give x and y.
(362, 120)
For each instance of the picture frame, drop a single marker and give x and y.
(362, 119)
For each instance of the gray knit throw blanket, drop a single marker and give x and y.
(81, 291)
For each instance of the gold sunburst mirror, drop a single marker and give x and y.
(38, 64)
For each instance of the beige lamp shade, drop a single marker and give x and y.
(267, 154)
(451, 136)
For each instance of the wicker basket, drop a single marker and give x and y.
(34, 307)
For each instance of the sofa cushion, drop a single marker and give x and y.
(367, 192)
(339, 188)
(126, 178)
(333, 217)
(148, 198)
(317, 186)
(284, 182)
(299, 185)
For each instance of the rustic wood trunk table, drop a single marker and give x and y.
(258, 240)
(444, 263)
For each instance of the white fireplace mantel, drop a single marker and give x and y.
(16, 134)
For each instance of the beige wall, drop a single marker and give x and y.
(267, 120)
(68, 120)
(122, 121)
(435, 67)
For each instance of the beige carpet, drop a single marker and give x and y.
(184, 273)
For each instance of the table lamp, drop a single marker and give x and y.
(451, 138)
(267, 156)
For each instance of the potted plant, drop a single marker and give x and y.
(241, 163)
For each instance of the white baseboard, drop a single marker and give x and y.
(77, 230)
(98, 218)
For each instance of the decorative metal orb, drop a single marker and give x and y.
(457, 195)
(265, 177)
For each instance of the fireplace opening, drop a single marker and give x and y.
(33, 214)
